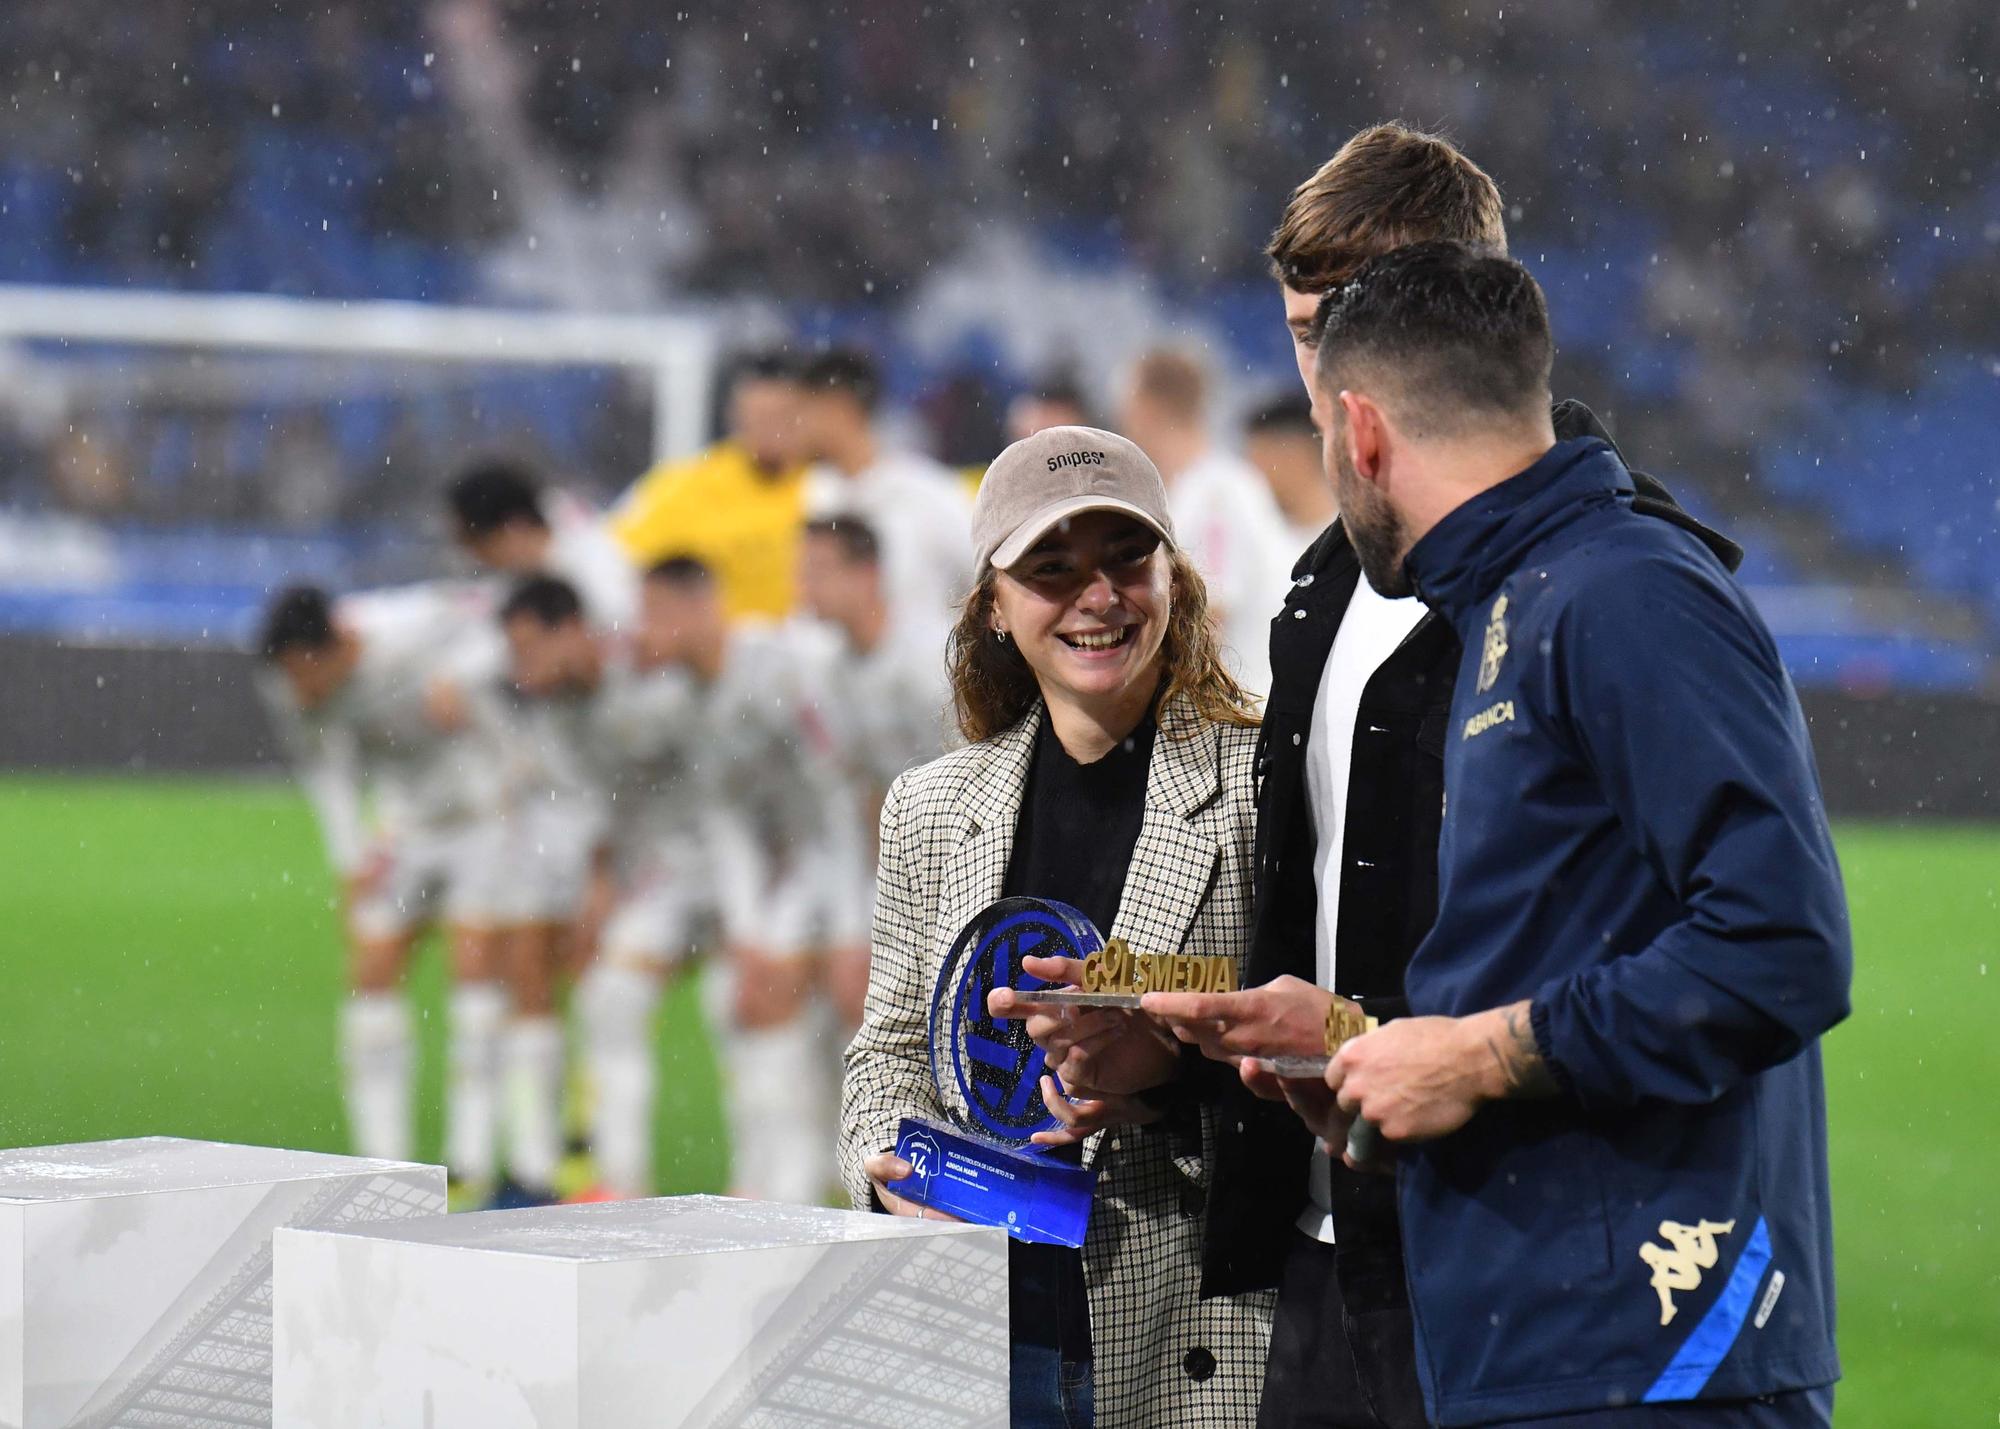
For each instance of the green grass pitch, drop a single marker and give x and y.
(168, 964)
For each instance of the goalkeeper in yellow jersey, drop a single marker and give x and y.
(738, 507)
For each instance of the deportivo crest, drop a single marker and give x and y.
(1678, 1265)
(1495, 648)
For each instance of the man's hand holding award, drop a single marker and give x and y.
(1284, 1038)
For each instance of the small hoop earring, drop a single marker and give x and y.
(1001, 636)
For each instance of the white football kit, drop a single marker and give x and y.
(627, 748)
(920, 513)
(886, 710)
(583, 552)
(420, 809)
(393, 793)
(556, 821)
(889, 708)
(791, 878)
(625, 745)
(720, 796)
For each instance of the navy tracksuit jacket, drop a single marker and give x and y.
(1634, 839)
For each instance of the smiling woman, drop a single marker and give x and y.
(1109, 768)
(1098, 608)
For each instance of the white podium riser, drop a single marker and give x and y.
(693, 1313)
(135, 1276)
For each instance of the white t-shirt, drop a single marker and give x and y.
(1229, 524)
(920, 513)
(1369, 634)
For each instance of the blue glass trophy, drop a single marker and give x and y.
(980, 1164)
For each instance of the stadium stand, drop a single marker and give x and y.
(1779, 295)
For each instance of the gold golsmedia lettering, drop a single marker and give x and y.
(1116, 968)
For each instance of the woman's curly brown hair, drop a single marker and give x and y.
(992, 687)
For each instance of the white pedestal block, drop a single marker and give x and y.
(135, 1276)
(695, 1311)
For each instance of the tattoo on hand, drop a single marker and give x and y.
(1523, 1072)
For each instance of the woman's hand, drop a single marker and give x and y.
(886, 1166)
(1097, 1051)
(1085, 1116)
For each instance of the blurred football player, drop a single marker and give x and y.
(622, 720)
(736, 507)
(1223, 512)
(787, 870)
(886, 705)
(918, 508)
(1054, 402)
(361, 693)
(1279, 439)
(513, 526)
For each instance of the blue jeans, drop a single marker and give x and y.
(1048, 1393)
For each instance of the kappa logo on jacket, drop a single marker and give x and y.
(1678, 1265)
(1495, 648)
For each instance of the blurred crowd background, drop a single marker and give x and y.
(1770, 234)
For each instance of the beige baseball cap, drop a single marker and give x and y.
(1057, 473)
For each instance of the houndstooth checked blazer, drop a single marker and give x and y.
(1163, 1356)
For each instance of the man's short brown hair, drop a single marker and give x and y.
(1388, 186)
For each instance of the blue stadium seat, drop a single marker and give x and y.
(32, 200)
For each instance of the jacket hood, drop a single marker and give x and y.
(1461, 560)
(1572, 419)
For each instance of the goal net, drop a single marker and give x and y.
(168, 459)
